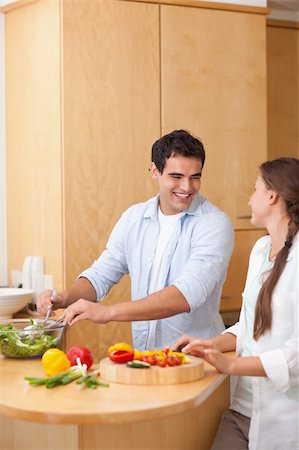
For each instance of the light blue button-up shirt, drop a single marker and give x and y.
(197, 258)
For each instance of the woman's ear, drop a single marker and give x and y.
(274, 197)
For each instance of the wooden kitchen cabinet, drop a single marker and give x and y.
(83, 109)
(213, 75)
(233, 288)
(90, 86)
(283, 88)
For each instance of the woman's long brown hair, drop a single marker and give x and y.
(282, 176)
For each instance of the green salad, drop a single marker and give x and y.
(17, 343)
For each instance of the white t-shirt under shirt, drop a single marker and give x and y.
(167, 225)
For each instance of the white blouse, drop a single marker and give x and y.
(275, 406)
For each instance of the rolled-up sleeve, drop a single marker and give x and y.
(282, 365)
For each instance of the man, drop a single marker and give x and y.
(176, 248)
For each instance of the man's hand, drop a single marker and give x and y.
(82, 288)
(86, 310)
(46, 300)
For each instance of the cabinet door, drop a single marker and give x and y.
(231, 298)
(111, 119)
(283, 90)
(214, 84)
(33, 136)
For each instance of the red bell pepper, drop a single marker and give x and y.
(83, 353)
(121, 356)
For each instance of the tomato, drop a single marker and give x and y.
(161, 362)
(162, 358)
(121, 356)
(83, 353)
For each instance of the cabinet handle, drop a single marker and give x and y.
(225, 297)
(243, 217)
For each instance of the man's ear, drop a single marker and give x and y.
(153, 170)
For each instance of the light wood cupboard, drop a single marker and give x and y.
(83, 109)
(90, 86)
(213, 69)
(283, 88)
(236, 277)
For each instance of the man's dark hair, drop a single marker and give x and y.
(178, 142)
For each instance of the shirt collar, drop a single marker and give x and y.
(152, 208)
(292, 250)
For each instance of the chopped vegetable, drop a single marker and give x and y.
(55, 361)
(138, 364)
(121, 356)
(83, 353)
(19, 344)
(123, 353)
(120, 346)
(163, 358)
(65, 377)
(91, 382)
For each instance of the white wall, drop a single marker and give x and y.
(3, 239)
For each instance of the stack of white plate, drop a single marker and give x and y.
(13, 300)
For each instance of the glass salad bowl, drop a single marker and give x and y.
(28, 338)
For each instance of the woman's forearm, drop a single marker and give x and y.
(247, 365)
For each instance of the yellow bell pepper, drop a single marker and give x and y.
(120, 346)
(55, 361)
(137, 353)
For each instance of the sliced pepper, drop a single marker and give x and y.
(120, 346)
(55, 361)
(121, 356)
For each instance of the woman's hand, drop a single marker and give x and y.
(206, 349)
(217, 359)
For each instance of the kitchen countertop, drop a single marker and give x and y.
(181, 416)
(76, 404)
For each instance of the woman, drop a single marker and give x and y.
(264, 412)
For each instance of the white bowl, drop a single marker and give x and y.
(13, 300)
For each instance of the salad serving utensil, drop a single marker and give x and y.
(56, 323)
(49, 310)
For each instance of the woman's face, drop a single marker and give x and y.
(259, 203)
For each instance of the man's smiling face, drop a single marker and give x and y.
(178, 183)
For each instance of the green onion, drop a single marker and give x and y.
(91, 382)
(62, 378)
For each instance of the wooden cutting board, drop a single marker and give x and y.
(120, 373)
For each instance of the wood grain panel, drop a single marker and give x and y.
(34, 187)
(214, 84)
(193, 430)
(235, 282)
(155, 375)
(23, 435)
(283, 91)
(111, 119)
